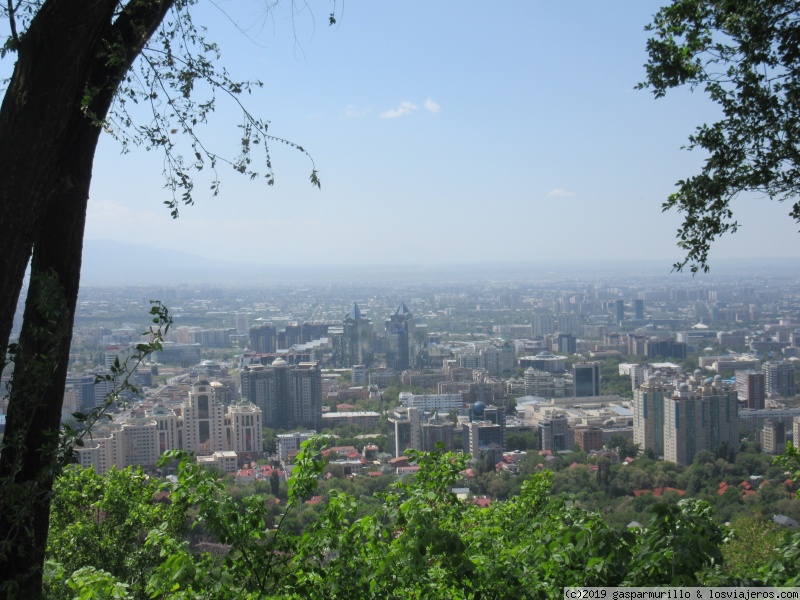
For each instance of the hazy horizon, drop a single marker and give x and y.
(107, 262)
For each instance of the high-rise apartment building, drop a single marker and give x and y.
(305, 393)
(542, 325)
(697, 415)
(703, 418)
(206, 427)
(246, 427)
(288, 396)
(648, 414)
(166, 428)
(400, 339)
(264, 339)
(242, 323)
(779, 377)
(204, 421)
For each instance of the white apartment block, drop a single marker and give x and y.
(205, 428)
(430, 402)
(680, 420)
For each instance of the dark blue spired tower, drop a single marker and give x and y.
(400, 339)
(357, 331)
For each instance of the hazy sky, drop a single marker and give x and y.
(443, 132)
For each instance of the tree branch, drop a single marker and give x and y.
(13, 23)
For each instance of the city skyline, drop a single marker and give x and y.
(473, 136)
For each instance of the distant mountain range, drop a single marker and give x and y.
(107, 262)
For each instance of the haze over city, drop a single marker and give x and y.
(442, 135)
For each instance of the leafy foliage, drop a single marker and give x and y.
(744, 55)
(421, 542)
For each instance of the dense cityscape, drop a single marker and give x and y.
(463, 367)
(674, 367)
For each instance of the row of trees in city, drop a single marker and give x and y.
(126, 535)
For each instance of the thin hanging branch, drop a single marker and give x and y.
(13, 23)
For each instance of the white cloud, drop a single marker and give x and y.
(353, 112)
(431, 106)
(560, 193)
(405, 108)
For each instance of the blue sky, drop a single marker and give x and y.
(466, 132)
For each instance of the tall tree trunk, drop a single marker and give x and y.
(31, 457)
(51, 73)
(47, 147)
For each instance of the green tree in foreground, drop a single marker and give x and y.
(421, 541)
(743, 55)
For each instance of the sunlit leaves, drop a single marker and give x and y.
(744, 56)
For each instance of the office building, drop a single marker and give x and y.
(485, 431)
(405, 430)
(773, 437)
(654, 348)
(289, 444)
(619, 308)
(555, 434)
(751, 388)
(587, 379)
(638, 309)
(400, 339)
(589, 438)
(357, 338)
(547, 385)
(567, 344)
(437, 430)
(544, 361)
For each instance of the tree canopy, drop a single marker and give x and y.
(744, 55)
